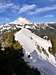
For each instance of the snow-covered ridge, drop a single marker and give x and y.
(32, 43)
(22, 22)
(40, 41)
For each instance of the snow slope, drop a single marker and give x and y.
(31, 43)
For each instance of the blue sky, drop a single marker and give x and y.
(34, 10)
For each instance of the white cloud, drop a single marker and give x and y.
(5, 1)
(26, 8)
(49, 16)
(52, 0)
(3, 6)
(22, 21)
(29, 9)
(16, 8)
(11, 6)
(44, 9)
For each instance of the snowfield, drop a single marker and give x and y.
(36, 51)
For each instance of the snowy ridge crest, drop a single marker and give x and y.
(37, 48)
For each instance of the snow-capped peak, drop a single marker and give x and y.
(21, 21)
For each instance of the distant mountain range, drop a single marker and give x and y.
(23, 22)
(52, 25)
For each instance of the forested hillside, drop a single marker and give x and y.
(11, 53)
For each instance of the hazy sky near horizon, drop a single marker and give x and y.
(34, 10)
